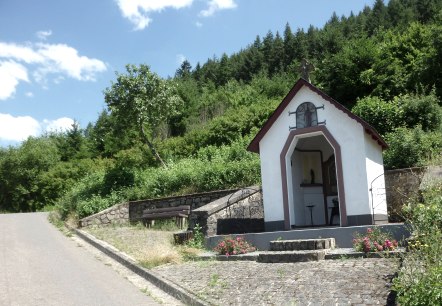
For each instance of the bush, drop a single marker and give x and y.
(84, 189)
(233, 246)
(213, 168)
(374, 241)
(419, 281)
(411, 147)
(198, 240)
(421, 110)
(383, 116)
(97, 203)
(410, 111)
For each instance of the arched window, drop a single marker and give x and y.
(306, 115)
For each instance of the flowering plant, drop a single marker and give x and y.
(233, 246)
(374, 241)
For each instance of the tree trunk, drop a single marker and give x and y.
(152, 148)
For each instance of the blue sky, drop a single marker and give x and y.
(57, 56)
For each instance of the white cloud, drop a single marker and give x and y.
(29, 94)
(138, 11)
(11, 73)
(23, 53)
(59, 125)
(17, 128)
(43, 59)
(198, 24)
(61, 58)
(217, 5)
(43, 35)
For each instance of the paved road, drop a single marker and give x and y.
(41, 266)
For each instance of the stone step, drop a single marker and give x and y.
(302, 244)
(291, 256)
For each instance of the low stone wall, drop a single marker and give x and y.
(195, 201)
(117, 214)
(401, 185)
(240, 212)
(132, 211)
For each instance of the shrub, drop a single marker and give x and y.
(411, 147)
(198, 238)
(383, 116)
(233, 246)
(410, 111)
(97, 203)
(374, 241)
(419, 279)
(421, 110)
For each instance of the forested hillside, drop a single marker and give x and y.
(188, 133)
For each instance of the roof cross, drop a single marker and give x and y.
(305, 69)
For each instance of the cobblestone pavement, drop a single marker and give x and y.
(327, 282)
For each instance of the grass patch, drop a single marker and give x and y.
(149, 246)
(54, 217)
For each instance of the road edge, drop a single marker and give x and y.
(181, 294)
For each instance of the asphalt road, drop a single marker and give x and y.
(41, 266)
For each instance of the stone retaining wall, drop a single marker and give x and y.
(401, 185)
(132, 211)
(117, 214)
(240, 212)
(194, 200)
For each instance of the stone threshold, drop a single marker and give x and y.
(333, 254)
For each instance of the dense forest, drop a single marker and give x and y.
(188, 133)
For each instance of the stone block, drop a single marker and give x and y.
(291, 256)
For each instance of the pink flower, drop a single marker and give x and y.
(388, 244)
(227, 254)
(369, 230)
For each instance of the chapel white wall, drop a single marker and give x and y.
(375, 178)
(347, 132)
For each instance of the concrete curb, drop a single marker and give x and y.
(181, 294)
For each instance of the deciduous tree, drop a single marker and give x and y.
(142, 99)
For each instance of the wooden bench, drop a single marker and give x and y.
(180, 213)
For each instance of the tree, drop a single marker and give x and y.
(71, 144)
(224, 71)
(184, 70)
(406, 61)
(289, 45)
(348, 74)
(142, 99)
(377, 18)
(21, 188)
